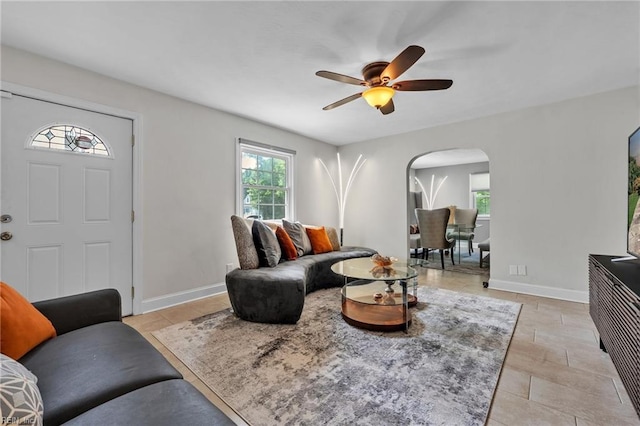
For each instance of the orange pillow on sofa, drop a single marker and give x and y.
(320, 242)
(289, 251)
(22, 326)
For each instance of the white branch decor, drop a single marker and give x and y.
(431, 197)
(342, 194)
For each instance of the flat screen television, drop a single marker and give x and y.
(633, 221)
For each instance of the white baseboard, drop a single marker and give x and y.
(169, 300)
(542, 291)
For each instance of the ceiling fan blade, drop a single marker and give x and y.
(402, 62)
(418, 85)
(388, 108)
(342, 101)
(341, 78)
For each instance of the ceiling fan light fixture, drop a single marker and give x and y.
(378, 96)
(377, 77)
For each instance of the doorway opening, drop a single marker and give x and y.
(457, 180)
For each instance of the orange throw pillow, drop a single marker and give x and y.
(289, 251)
(320, 242)
(22, 326)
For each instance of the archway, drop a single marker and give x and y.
(458, 179)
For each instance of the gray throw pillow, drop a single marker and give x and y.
(267, 244)
(20, 399)
(247, 254)
(299, 236)
(333, 237)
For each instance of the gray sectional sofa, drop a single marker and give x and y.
(276, 294)
(100, 371)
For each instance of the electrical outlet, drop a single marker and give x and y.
(522, 269)
(513, 269)
(229, 267)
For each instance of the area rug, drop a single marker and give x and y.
(322, 371)
(467, 264)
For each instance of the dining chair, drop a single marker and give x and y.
(433, 232)
(466, 220)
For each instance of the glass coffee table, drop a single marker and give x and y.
(369, 299)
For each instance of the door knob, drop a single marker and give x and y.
(6, 236)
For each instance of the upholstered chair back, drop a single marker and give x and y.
(466, 216)
(433, 228)
(415, 202)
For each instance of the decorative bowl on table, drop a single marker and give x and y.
(383, 266)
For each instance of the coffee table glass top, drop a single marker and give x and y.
(364, 269)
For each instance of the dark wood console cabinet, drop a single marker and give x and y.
(614, 305)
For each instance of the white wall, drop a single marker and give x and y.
(188, 176)
(558, 188)
(455, 190)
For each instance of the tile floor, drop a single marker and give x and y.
(554, 373)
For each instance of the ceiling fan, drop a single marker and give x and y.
(378, 75)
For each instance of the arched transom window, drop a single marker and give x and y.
(67, 137)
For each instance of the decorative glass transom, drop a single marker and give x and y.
(70, 138)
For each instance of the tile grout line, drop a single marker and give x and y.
(617, 391)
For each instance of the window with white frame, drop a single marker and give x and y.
(265, 181)
(480, 191)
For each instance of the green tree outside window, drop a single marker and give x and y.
(264, 183)
(483, 202)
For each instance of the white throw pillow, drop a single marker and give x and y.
(20, 399)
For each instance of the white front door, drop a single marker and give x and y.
(67, 187)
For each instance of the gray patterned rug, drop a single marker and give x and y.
(322, 371)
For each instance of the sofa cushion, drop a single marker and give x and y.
(267, 245)
(247, 254)
(20, 399)
(289, 251)
(319, 240)
(23, 327)
(84, 368)
(166, 403)
(299, 237)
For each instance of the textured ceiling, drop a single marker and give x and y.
(258, 59)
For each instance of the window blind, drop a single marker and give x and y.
(479, 182)
(268, 147)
